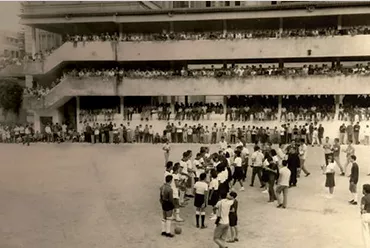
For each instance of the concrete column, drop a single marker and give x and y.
(122, 105)
(172, 27)
(29, 80)
(281, 25)
(281, 64)
(339, 22)
(36, 122)
(120, 27)
(280, 105)
(338, 100)
(224, 104)
(78, 124)
(33, 41)
(224, 26)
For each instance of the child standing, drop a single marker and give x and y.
(233, 219)
(353, 179)
(213, 193)
(200, 199)
(330, 176)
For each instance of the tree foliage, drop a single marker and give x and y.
(11, 95)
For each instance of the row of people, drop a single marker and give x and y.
(228, 35)
(232, 71)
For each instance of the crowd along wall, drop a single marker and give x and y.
(337, 46)
(313, 85)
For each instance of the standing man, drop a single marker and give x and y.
(283, 185)
(336, 155)
(166, 148)
(257, 163)
(302, 157)
(350, 133)
(353, 179)
(365, 214)
(222, 221)
(321, 133)
(342, 132)
(293, 165)
(327, 150)
(367, 135)
(214, 134)
(350, 150)
(166, 200)
(356, 132)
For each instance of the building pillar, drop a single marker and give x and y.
(281, 26)
(36, 122)
(172, 27)
(224, 104)
(280, 106)
(78, 124)
(120, 29)
(29, 81)
(338, 99)
(281, 64)
(224, 26)
(122, 105)
(339, 22)
(33, 41)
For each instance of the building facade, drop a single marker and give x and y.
(136, 24)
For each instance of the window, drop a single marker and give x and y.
(208, 4)
(227, 3)
(181, 4)
(237, 3)
(273, 2)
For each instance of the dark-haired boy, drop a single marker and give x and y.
(353, 179)
(166, 200)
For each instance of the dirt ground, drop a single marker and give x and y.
(106, 196)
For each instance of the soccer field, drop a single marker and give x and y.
(107, 196)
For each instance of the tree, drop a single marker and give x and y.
(11, 95)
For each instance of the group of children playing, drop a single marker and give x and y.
(211, 178)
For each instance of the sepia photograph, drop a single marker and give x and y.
(184, 124)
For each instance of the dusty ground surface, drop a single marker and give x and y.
(106, 196)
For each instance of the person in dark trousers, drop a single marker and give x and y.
(257, 163)
(272, 175)
(293, 165)
(353, 179)
(356, 132)
(321, 133)
(167, 203)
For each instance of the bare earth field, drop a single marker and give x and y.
(106, 196)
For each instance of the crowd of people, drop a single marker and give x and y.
(233, 71)
(219, 35)
(212, 179)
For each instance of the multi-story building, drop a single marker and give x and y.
(64, 102)
(11, 44)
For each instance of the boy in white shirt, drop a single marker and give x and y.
(223, 144)
(283, 185)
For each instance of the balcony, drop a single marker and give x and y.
(312, 85)
(282, 48)
(70, 87)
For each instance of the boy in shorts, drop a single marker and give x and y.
(166, 200)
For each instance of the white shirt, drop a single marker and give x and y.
(199, 167)
(200, 187)
(303, 151)
(47, 129)
(175, 177)
(239, 144)
(284, 176)
(184, 166)
(330, 168)
(223, 145)
(238, 162)
(166, 148)
(257, 158)
(223, 207)
(222, 176)
(213, 184)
